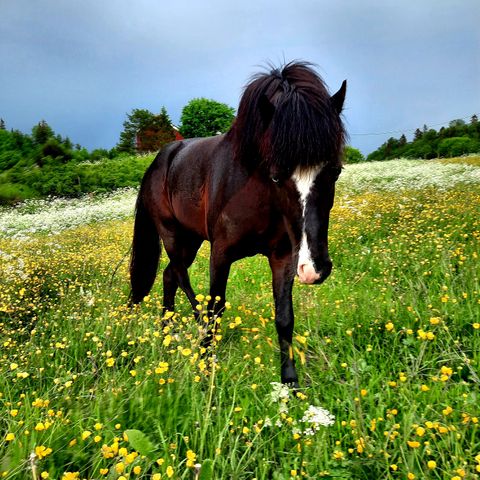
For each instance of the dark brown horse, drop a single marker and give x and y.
(266, 186)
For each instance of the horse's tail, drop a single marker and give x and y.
(145, 252)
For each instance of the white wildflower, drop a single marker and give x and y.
(53, 215)
(318, 416)
(280, 392)
(12, 267)
(404, 174)
(296, 431)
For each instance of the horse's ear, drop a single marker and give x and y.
(266, 110)
(339, 97)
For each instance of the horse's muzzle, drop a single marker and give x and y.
(307, 273)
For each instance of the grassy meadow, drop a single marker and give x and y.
(389, 345)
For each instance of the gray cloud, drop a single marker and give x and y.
(83, 65)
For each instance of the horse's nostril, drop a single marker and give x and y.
(307, 273)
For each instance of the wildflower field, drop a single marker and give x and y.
(388, 349)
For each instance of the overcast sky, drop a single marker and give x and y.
(82, 65)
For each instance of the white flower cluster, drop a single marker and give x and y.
(404, 174)
(52, 215)
(12, 267)
(280, 395)
(314, 417)
(318, 416)
(279, 392)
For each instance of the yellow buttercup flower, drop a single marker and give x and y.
(420, 431)
(70, 475)
(191, 458)
(42, 451)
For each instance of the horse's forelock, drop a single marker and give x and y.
(300, 129)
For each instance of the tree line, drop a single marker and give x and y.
(459, 138)
(44, 163)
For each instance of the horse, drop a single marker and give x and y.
(266, 187)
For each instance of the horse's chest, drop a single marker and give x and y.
(244, 219)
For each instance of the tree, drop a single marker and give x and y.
(136, 120)
(418, 134)
(144, 131)
(2, 124)
(68, 143)
(391, 147)
(56, 150)
(202, 117)
(352, 155)
(42, 132)
(457, 123)
(156, 134)
(473, 120)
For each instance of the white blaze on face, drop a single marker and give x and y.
(304, 180)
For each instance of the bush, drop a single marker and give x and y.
(71, 179)
(352, 155)
(456, 146)
(12, 193)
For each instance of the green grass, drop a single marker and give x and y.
(389, 344)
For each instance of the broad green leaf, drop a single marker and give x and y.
(206, 472)
(140, 442)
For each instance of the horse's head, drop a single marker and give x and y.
(316, 163)
(316, 190)
(305, 201)
(289, 127)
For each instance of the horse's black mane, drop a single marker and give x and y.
(286, 119)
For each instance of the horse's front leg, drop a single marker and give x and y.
(219, 270)
(282, 281)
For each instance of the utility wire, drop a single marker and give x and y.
(410, 130)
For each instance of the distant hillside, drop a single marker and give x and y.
(459, 138)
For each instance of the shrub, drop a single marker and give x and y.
(456, 146)
(352, 155)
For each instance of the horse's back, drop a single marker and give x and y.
(154, 188)
(177, 184)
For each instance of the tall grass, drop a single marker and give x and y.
(389, 345)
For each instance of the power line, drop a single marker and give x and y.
(409, 130)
